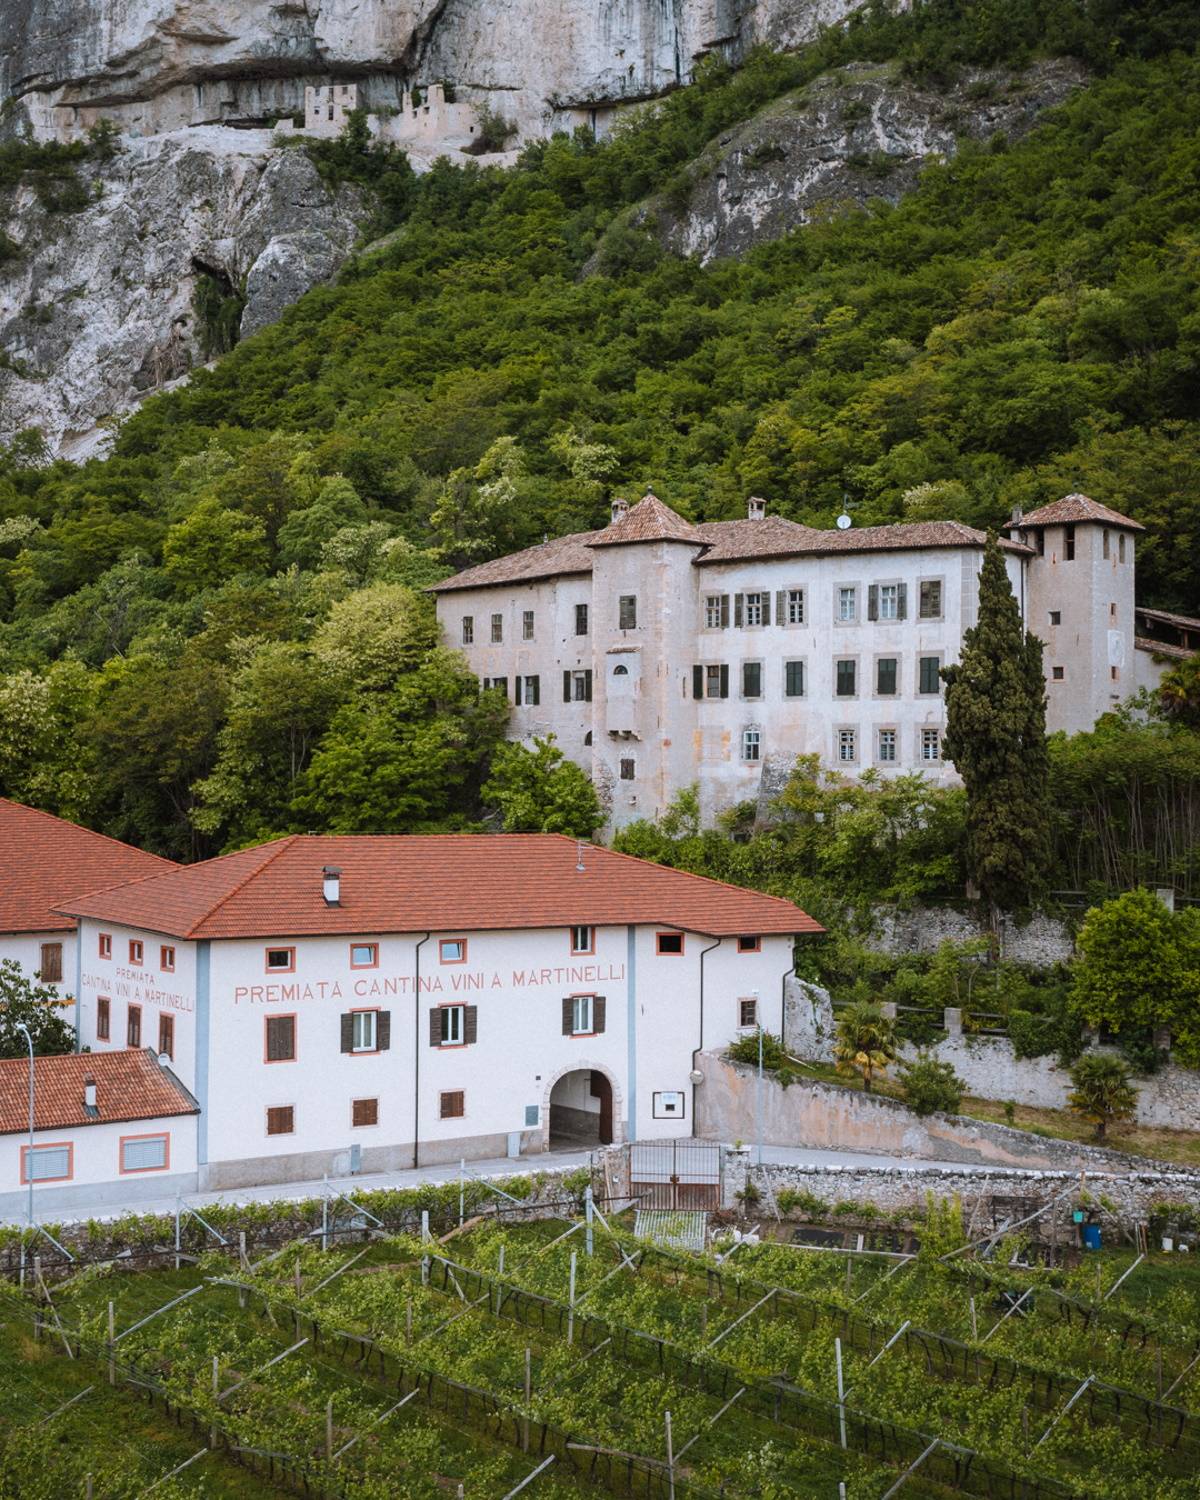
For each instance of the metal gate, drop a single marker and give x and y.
(678, 1174)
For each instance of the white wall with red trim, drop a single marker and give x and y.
(94, 1172)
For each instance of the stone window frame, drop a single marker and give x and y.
(497, 628)
(929, 760)
(940, 580)
(743, 695)
(918, 690)
(878, 585)
(717, 604)
(468, 630)
(899, 689)
(802, 663)
(856, 744)
(839, 622)
(846, 697)
(894, 731)
(785, 613)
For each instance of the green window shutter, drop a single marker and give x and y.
(566, 687)
(724, 611)
(724, 681)
(517, 691)
(781, 607)
(587, 686)
(766, 607)
(738, 603)
(902, 602)
(697, 682)
(873, 602)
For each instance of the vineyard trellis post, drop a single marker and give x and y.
(587, 1210)
(670, 1459)
(837, 1347)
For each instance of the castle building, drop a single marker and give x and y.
(662, 653)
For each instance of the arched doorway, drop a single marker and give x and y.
(581, 1110)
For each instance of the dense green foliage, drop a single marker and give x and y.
(538, 790)
(37, 1007)
(930, 1085)
(1101, 1091)
(864, 1041)
(996, 737)
(1138, 965)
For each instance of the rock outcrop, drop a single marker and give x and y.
(96, 311)
(163, 64)
(853, 135)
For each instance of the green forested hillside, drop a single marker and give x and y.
(211, 635)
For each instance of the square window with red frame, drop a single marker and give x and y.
(166, 958)
(749, 943)
(105, 945)
(452, 951)
(669, 942)
(103, 1018)
(364, 955)
(136, 950)
(280, 960)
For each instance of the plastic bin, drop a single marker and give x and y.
(1091, 1236)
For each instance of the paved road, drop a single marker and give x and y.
(290, 1192)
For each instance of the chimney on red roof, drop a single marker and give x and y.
(89, 1093)
(620, 508)
(756, 508)
(331, 885)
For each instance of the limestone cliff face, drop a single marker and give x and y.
(161, 64)
(851, 136)
(96, 312)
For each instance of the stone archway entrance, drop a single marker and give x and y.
(581, 1110)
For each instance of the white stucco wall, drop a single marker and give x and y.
(96, 1166)
(516, 979)
(149, 986)
(26, 949)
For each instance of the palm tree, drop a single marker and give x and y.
(865, 1041)
(1102, 1091)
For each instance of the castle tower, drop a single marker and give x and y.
(644, 627)
(1080, 602)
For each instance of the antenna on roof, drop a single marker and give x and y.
(843, 521)
(580, 846)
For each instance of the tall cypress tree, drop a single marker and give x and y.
(996, 737)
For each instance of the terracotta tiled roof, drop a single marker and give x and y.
(1162, 617)
(130, 1085)
(1164, 648)
(649, 521)
(806, 541)
(772, 536)
(1072, 508)
(45, 861)
(436, 882)
(566, 554)
(722, 541)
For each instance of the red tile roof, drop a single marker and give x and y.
(45, 861)
(721, 541)
(1073, 508)
(433, 883)
(130, 1085)
(649, 521)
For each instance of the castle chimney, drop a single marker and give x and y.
(756, 508)
(1017, 516)
(89, 1093)
(620, 508)
(331, 885)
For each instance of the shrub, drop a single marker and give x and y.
(930, 1085)
(1102, 1092)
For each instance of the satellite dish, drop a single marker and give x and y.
(843, 521)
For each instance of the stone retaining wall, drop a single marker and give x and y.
(1122, 1200)
(827, 1117)
(1043, 940)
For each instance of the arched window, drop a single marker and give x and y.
(620, 671)
(587, 739)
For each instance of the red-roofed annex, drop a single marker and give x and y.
(379, 1002)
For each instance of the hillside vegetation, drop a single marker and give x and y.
(212, 634)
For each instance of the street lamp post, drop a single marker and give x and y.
(29, 1162)
(758, 1092)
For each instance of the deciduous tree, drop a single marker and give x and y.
(538, 790)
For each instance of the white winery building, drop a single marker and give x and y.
(663, 653)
